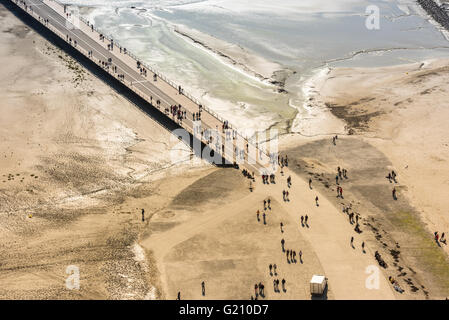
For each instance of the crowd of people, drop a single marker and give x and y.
(379, 259)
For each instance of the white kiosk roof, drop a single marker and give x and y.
(317, 279)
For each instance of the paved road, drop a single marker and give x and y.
(89, 42)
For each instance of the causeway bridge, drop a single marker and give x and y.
(201, 123)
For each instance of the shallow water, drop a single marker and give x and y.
(300, 35)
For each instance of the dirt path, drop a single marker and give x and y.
(328, 238)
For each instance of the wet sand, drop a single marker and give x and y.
(72, 152)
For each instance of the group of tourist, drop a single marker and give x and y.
(379, 259)
(283, 161)
(291, 256)
(248, 174)
(285, 195)
(395, 284)
(439, 239)
(196, 116)
(341, 173)
(259, 289)
(268, 178)
(177, 112)
(263, 216)
(304, 221)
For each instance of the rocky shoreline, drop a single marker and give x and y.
(436, 12)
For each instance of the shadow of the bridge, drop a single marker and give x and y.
(145, 106)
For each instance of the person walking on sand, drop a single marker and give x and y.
(274, 269)
(282, 225)
(316, 201)
(143, 215)
(300, 255)
(310, 183)
(261, 289)
(203, 288)
(271, 267)
(283, 285)
(336, 180)
(302, 221)
(264, 221)
(394, 193)
(179, 295)
(363, 246)
(352, 242)
(282, 244)
(256, 290)
(306, 219)
(258, 216)
(269, 203)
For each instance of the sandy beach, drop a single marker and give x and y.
(78, 163)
